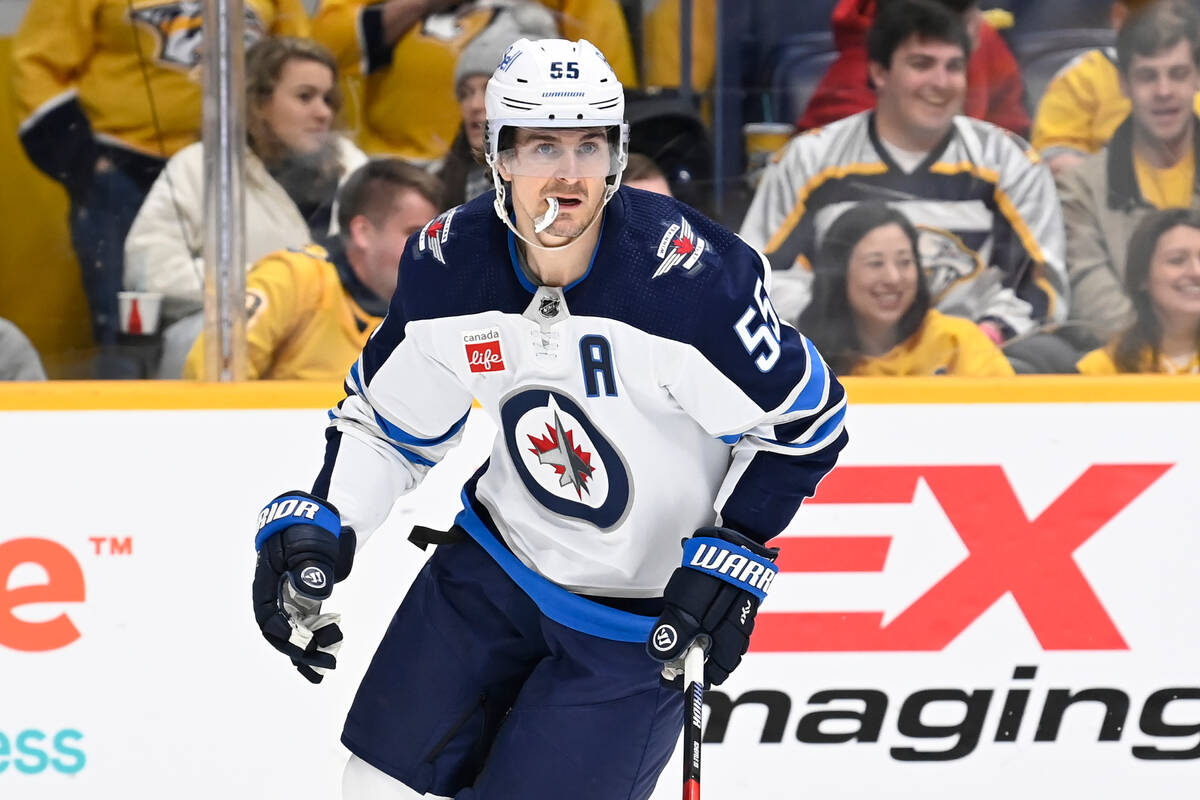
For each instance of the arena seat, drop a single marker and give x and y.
(791, 71)
(1042, 54)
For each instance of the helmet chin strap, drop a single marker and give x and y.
(543, 221)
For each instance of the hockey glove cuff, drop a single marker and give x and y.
(302, 551)
(714, 594)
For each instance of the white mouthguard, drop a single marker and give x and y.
(546, 220)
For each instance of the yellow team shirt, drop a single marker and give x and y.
(130, 61)
(1100, 362)
(1083, 106)
(943, 345)
(301, 324)
(1167, 188)
(408, 108)
(661, 50)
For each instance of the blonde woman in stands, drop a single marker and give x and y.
(870, 313)
(294, 164)
(1162, 277)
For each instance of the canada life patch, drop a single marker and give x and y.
(679, 247)
(483, 350)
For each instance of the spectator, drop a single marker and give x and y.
(661, 50)
(991, 231)
(1163, 280)
(293, 166)
(642, 173)
(870, 313)
(310, 311)
(463, 173)
(18, 359)
(399, 56)
(995, 91)
(1150, 163)
(106, 94)
(1085, 103)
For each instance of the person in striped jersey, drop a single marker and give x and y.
(991, 228)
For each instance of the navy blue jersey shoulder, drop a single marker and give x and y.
(458, 264)
(682, 276)
(661, 265)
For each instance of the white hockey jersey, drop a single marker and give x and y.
(657, 394)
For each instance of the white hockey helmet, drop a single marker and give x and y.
(555, 83)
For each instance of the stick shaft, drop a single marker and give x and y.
(693, 711)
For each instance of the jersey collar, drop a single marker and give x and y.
(526, 280)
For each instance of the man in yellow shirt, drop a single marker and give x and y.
(1150, 163)
(310, 311)
(1084, 103)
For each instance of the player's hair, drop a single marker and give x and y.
(899, 20)
(371, 188)
(641, 167)
(1146, 330)
(828, 319)
(265, 61)
(1158, 27)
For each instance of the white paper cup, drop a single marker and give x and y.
(139, 311)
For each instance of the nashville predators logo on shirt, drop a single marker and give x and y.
(946, 259)
(179, 30)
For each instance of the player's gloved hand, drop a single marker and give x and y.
(302, 551)
(714, 594)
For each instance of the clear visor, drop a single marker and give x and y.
(562, 153)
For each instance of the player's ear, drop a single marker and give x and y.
(502, 168)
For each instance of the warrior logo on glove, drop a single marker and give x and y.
(302, 550)
(713, 596)
(665, 637)
(314, 577)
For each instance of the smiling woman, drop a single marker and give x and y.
(870, 313)
(1162, 278)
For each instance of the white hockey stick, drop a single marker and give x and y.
(693, 713)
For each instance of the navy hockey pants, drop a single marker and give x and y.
(474, 693)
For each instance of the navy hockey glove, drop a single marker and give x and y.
(713, 596)
(302, 551)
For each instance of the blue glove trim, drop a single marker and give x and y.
(567, 609)
(295, 509)
(730, 563)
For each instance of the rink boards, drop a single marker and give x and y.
(994, 594)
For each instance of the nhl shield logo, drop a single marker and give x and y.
(679, 247)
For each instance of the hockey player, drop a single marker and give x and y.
(645, 394)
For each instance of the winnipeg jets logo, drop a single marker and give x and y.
(565, 462)
(179, 28)
(510, 55)
(679, 247)
(435, 233)
(558, 450)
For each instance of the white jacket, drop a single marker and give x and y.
(164, 245)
